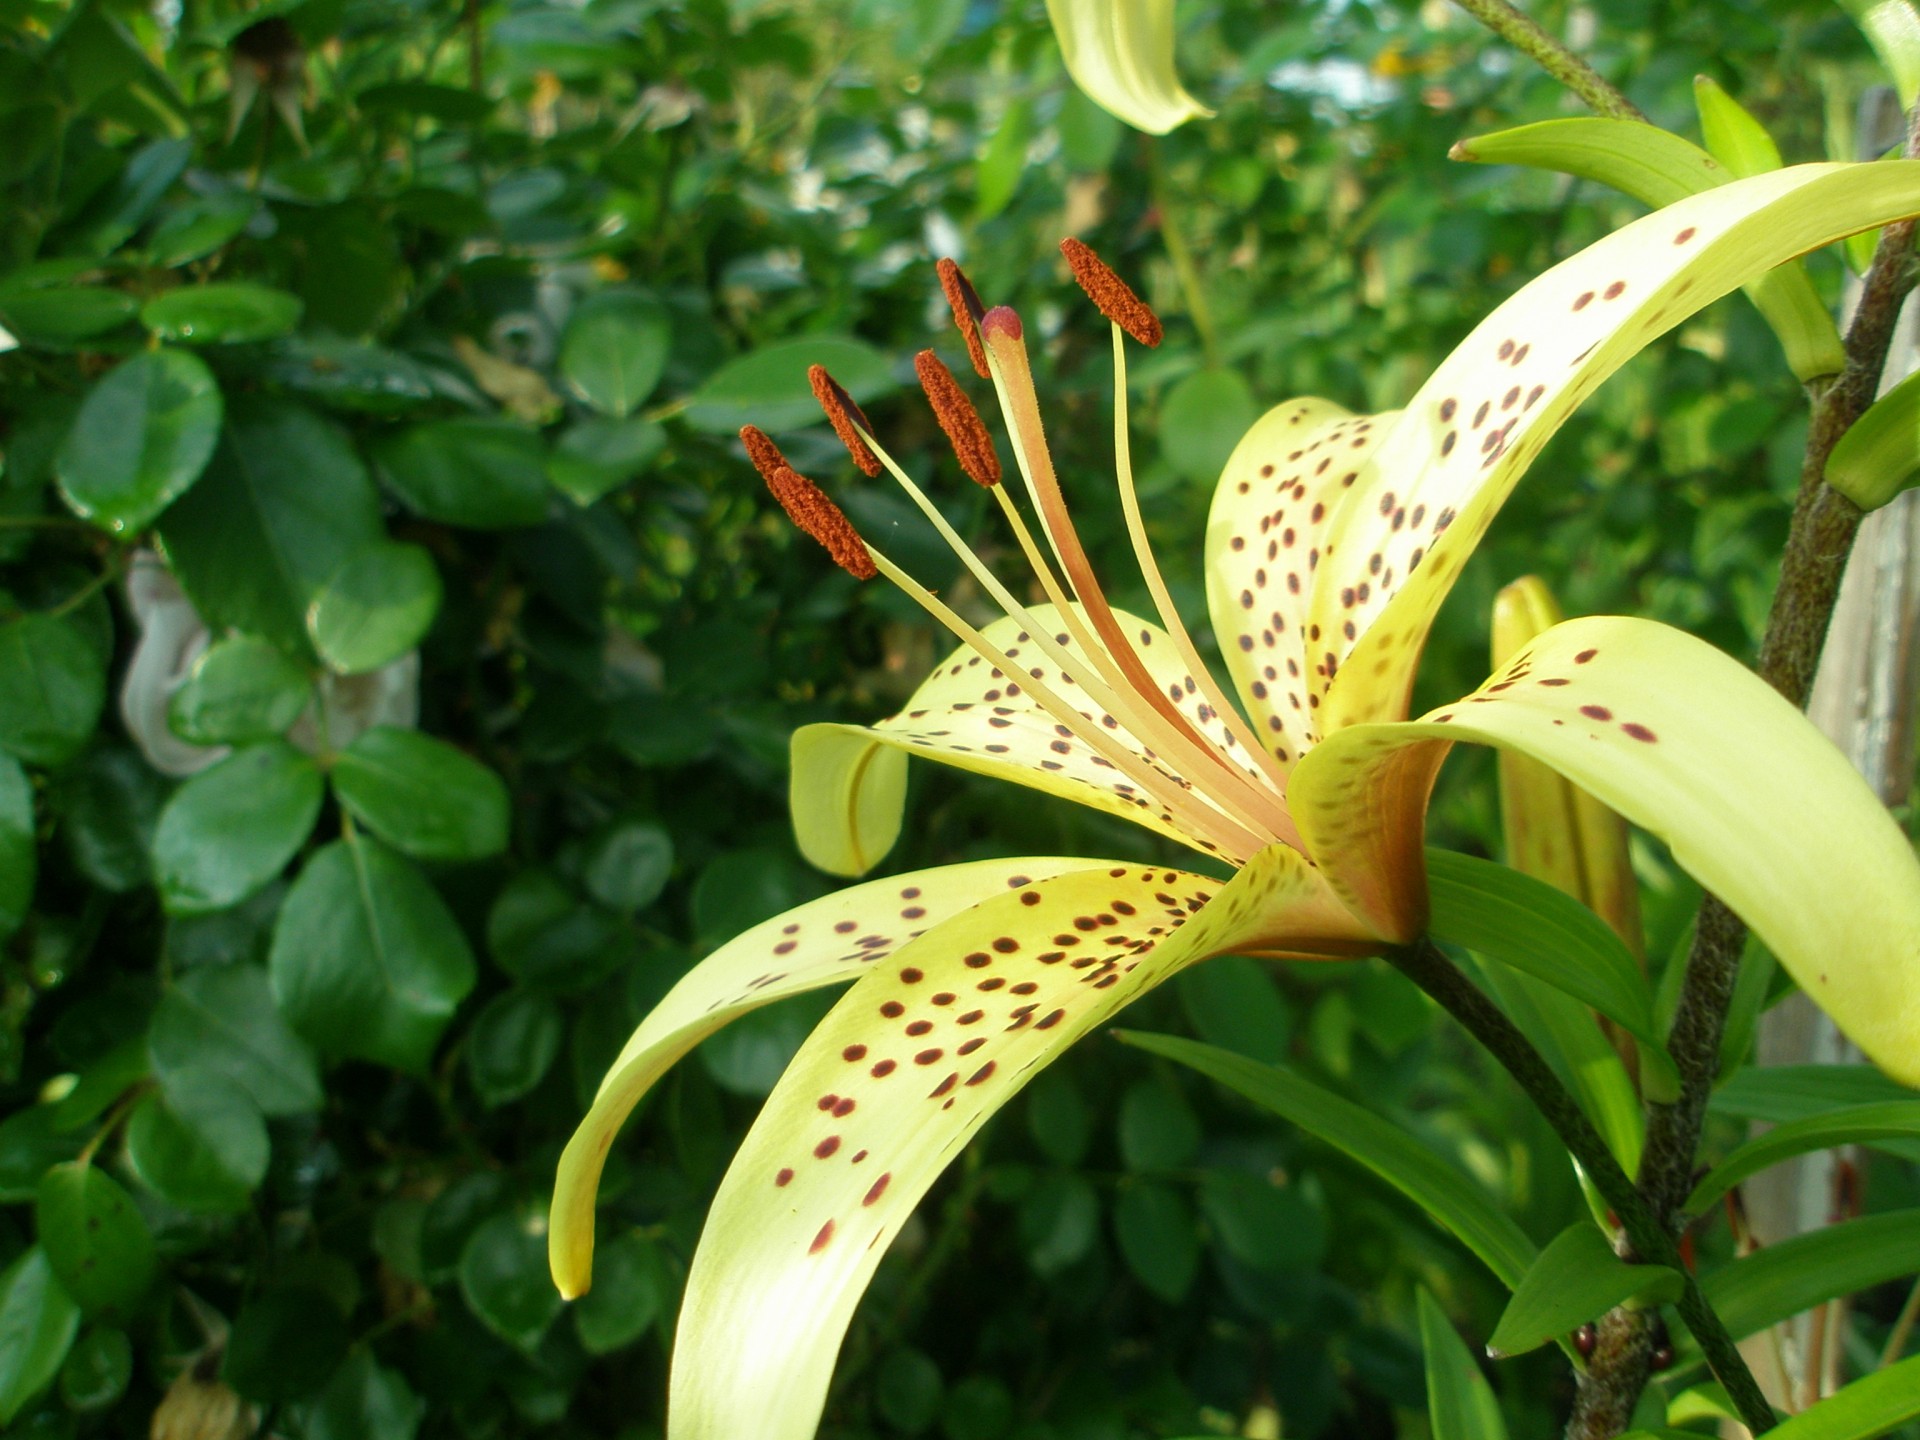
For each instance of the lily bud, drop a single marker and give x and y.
(1120, 54)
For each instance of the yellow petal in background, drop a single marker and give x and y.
(826, 942)
(1120, 52)
(1756, 804)
(895, 1081)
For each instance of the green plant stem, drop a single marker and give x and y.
(1526, 36)
(1430, 969)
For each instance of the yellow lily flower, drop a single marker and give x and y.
(1120, 53)
(1332, 540)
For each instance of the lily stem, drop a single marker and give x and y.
(1526, 36)
(1428, 967)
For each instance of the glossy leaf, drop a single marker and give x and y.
(53, 684)
(19, 851)
(1867, 1407)
(512, 1045)
(1159, 1238)
(231, 829)
(143, 436)
(1460, 1403)
(503, 1275)
(378, 605)
(1892, 27)
(1879, 456)
(95, 1241)
(62, 315)
(97, 1370)
(1796, 1274)
(223, 313)
(630, 1292)
(486, 474)
(242, 689)
(201, 1143)
(768, 386)
(38, 1321)
(223, 1019)
(1735, 138)
(1576, 1279)
(598, 456)
(421, 795)
(614, 350)
(1854, 1125)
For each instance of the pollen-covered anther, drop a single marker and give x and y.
(761, 450)
(1112, 294)
(843, 414)
(814, 513)
(967, 310)
(972, 444)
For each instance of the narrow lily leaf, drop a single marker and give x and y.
(1657, 167)
(1782, 1280)
(1778, 1094)
(846, 801)
(1880, 455)
(1870, 1406)
(826, 942)
(1432, 487)
(915, 1058)
(1460, 1403)
(1892, 27)
(1576, 1278)
(1271, 510)
(1855, 1125)
(1672, 734)
(1735, 138)
(1439, 1189)
(1120, 53)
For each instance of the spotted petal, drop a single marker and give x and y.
(1120, 52)
(1757, 805)
(909, 1065)
(1441, 473)
(826, 942)
(846, 797)
(1275, 502)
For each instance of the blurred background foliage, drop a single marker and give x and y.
(335, 868)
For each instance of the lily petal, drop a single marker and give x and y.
(1276, 499)
(911, 1063)
(1442, 472)
(826, 942)
(1120, 52)
(1756, 804)
(970, 715)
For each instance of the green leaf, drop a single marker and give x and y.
(908, 1391)
(540, 933)
(1158, 1129)
(1511, 917)
(1854, 1125)
(1871, 1406)
(224, 1019)
(1733, 136)
(242, 689)
(768, 386)
(53, 683)
(629, 1293)
(32, 1141)
(1879, 456)
(485, 474)
(1803, 1271)
(283, 504)
(367, 962)
(201, 1144)
(1003, 161)
(1202, 419)
(1576, 1278)
(377, 606)
(232, 828)
(503, 1275)
(1777, 1094)
(19, 852)
(1159, 1238)
(364, 1401)
(614, 349)
(1234, 1003)
(38, 1321)
(109, 803)
(196, 230)
(143, 435)
(223, 313)
(94, 1239)
(286, 1343)
(421, 795)
(1059, 1222)
(1892, 27)
(97, 1371)
(1266, 1226)
(512, 1045)
(1460, 1402)
(597, 456)
(60, 316)
(101, 1082)
(1446, 1194)
(350, 375)
(628, 864)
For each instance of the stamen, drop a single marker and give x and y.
(761, 450)
(1112, 294)
(972, 445)
(841, 413)
(814, 513)
(967, 311)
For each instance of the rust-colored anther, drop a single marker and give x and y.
(761, 450)
(814, 513)
(842, 413)
(967, 311)
(1112, 294)
(972, 445)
